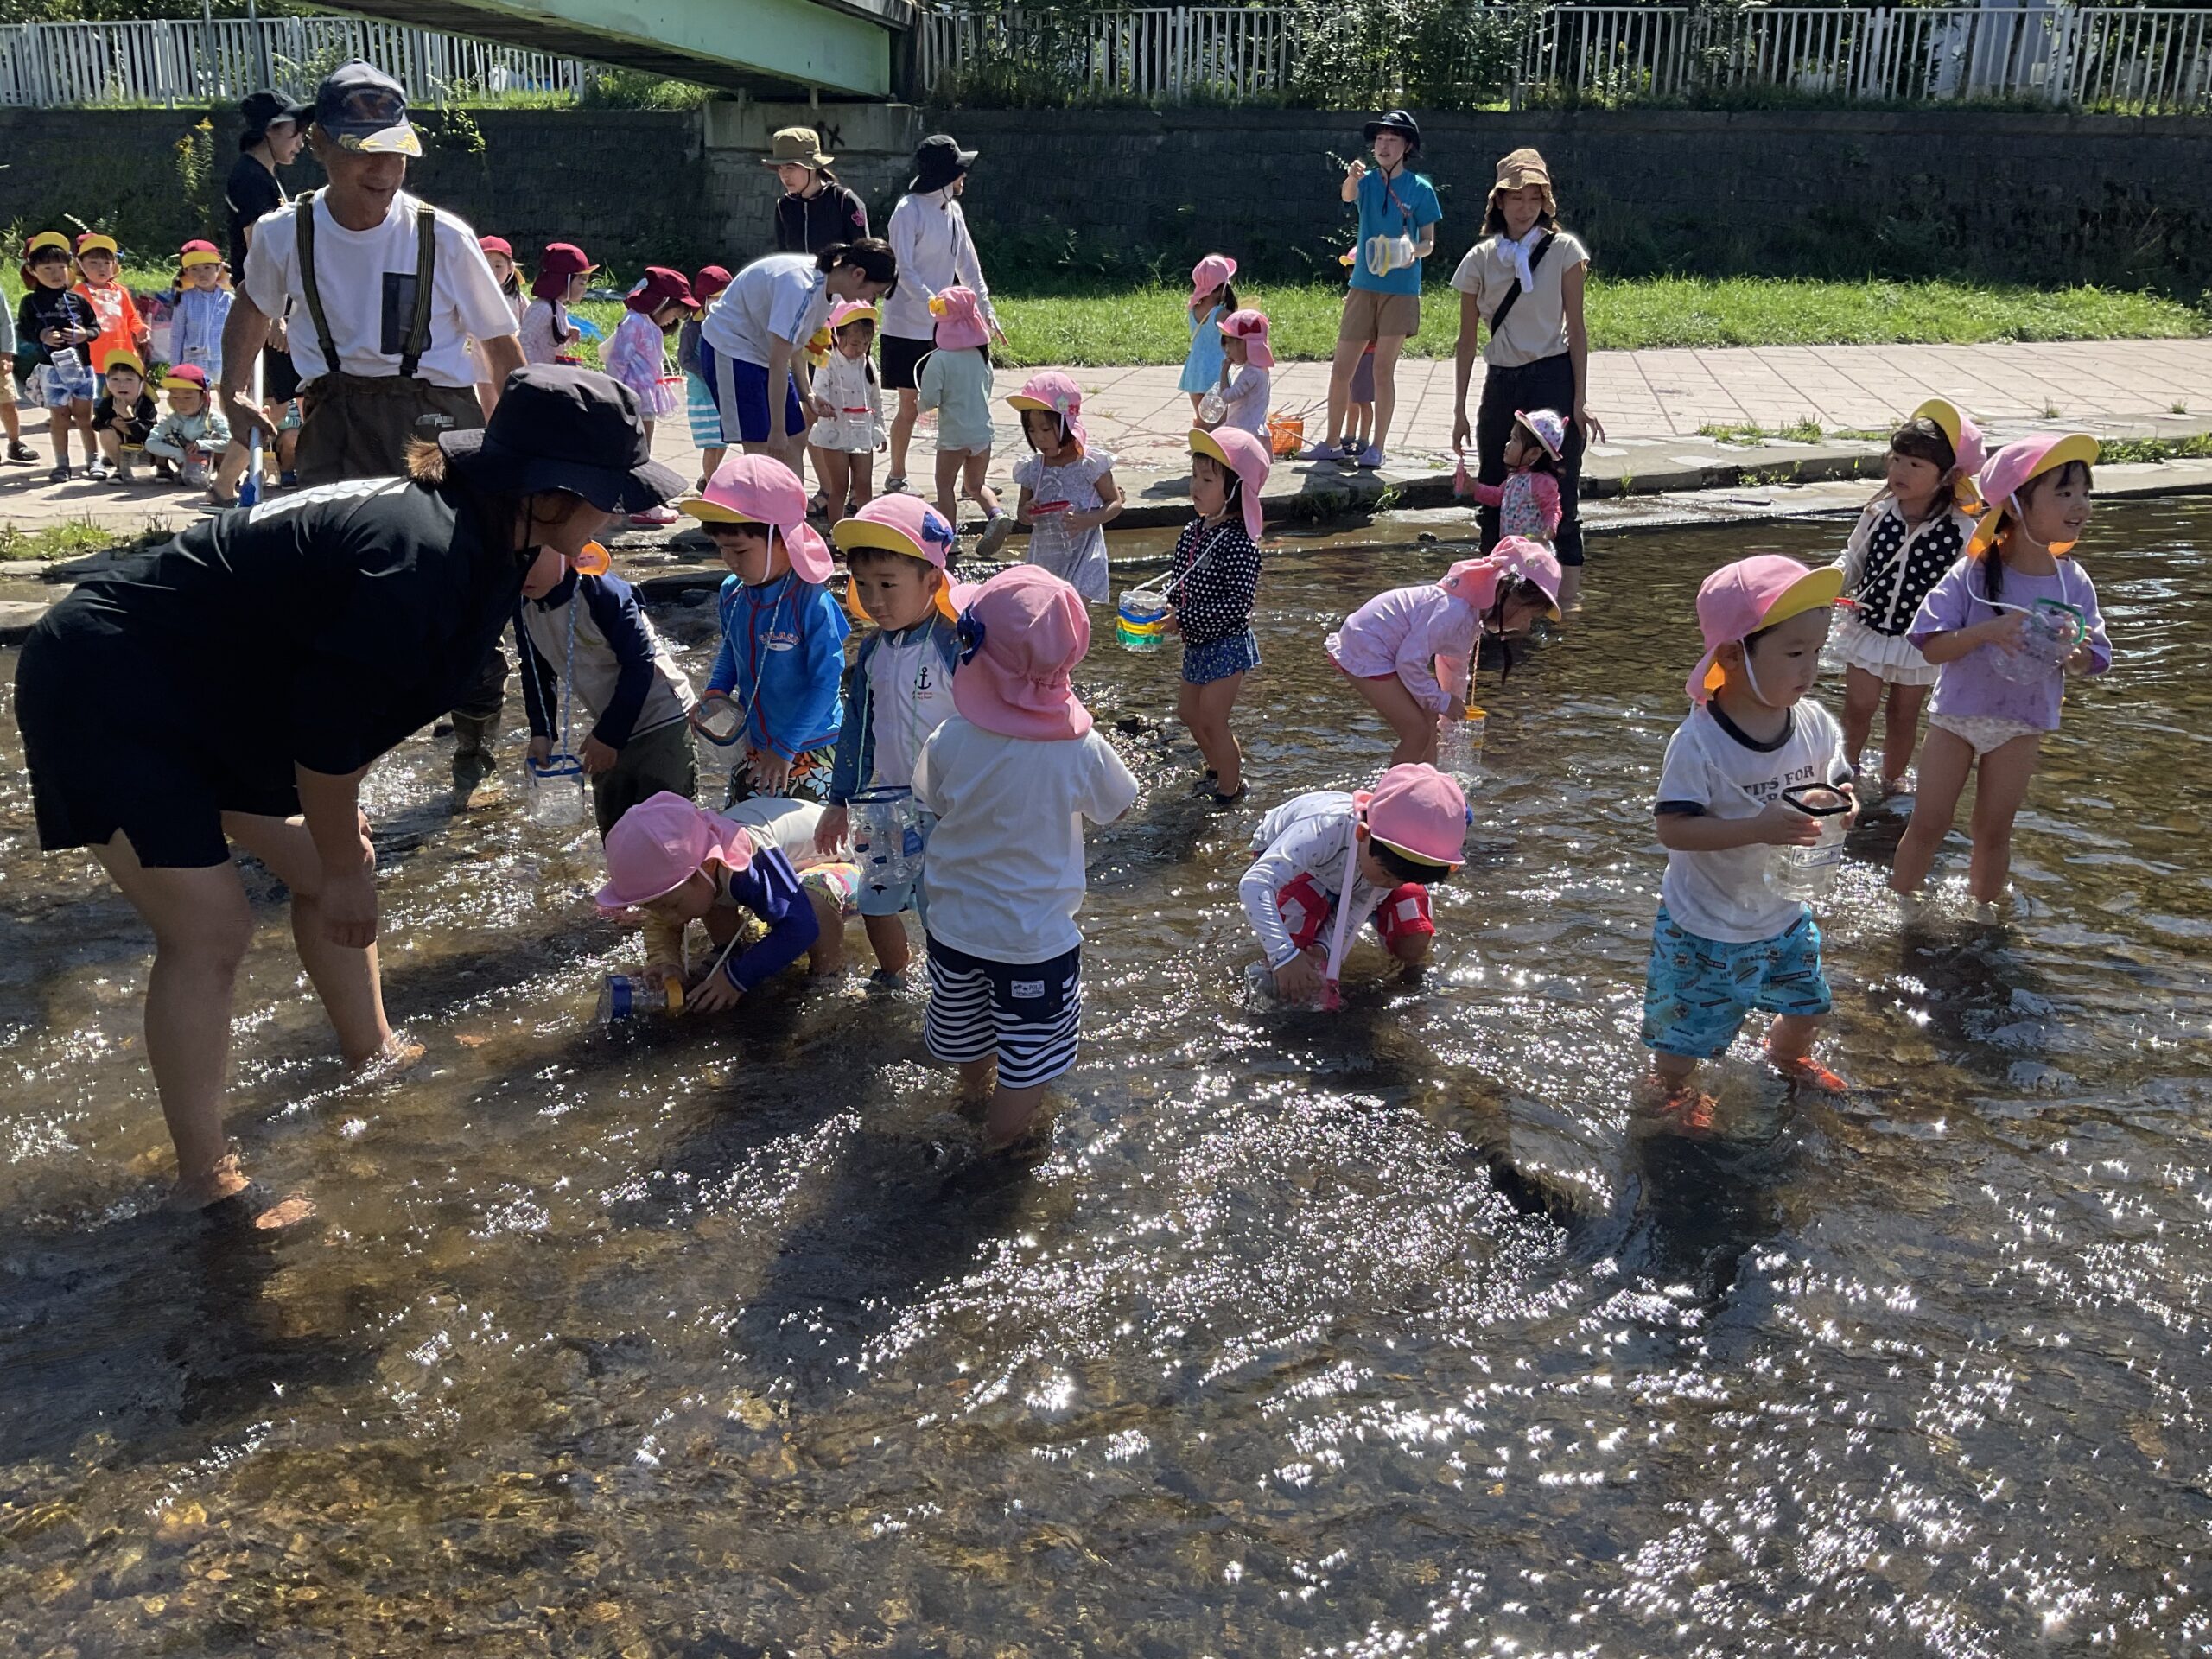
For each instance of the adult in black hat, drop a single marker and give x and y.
(929, 234)
(1398, 216)
(228, 691)
(275, 128)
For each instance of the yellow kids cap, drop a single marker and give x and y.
(120, 358)
(92, 242)
(46, 239)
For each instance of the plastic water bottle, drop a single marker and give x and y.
(1460, 748)
(628, 996)
(1806, 872)
(557, 791)
(1213, 408)
(2051, 630)
(886, 834)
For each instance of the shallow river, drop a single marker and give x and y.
(1390, 1332)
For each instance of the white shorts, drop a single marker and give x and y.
(1983, 733)
(1891, 659)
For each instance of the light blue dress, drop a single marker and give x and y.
(1202, 369)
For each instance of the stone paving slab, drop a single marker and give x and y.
(1651, 405)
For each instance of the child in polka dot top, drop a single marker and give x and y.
(1217, 577)
(1907, 538)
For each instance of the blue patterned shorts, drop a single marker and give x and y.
(63, 384)
(1203, 664)
(1697, 991)
(705, 416)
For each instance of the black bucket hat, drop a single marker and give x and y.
(560, 428)
(938, 162)
(1396, 121)
(264, 109)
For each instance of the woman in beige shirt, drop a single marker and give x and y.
(1538, 353)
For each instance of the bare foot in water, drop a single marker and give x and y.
(225, 1198)
(399, 1051)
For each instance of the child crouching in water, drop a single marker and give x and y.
(783, 650)
(1216, 579)
(1728, 937)
(676, 863)
(895, 546)
(1410, 652)
(1906, 539)
(1378, 852)
(1011, 776)
(1992, 626)
(1068, 492)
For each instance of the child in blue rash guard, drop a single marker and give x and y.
(783, 650)
(584, 637)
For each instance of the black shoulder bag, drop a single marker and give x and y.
(1504, 306)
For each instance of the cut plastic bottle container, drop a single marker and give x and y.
(1806, 872)
(557, 791)
(1140, 623)
(1460, 748)
(628, 996)
(886, 826)
(2052, 632)
(1211, 408)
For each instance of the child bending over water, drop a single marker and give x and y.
(1377, 851)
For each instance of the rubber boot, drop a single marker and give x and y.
(472, 760)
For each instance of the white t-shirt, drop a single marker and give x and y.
(366, 281)
(1535, 328)
(1713, 771)
(787, 825)
(780, 297)
(1004, 877)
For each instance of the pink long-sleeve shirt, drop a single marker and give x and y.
(1422, 634)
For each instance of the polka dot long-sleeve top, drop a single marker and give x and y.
(1217, 578)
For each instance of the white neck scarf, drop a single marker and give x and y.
(1518, 253)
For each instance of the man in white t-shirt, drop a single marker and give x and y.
(382, 354)
(382, 351)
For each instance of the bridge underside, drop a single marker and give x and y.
(770, 48)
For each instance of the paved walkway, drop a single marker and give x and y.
(1651, 405)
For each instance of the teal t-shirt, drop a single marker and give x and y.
(1398, 207)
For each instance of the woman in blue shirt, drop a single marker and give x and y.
(1398, 216)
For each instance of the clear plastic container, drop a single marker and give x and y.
(1806, 872)
(1213, 408)
(886, 826)
(2051, 632)
(557, 791)
(628, 996)
(1460, 748)
(1388, 253)
(1140, 623)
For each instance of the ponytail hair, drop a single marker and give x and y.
(1522, 589)
(1992, 558)
(870, 255)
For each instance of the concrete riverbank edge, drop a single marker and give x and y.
(1357, 513)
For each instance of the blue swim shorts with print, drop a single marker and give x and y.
(1203, 664)
(1696, 991)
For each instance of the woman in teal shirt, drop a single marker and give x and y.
(1398, 216)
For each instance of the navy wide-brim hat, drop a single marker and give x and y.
(556, 427)
(938, 160)
(1396, 121)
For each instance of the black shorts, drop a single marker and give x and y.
(279, 381)
(902, 362)
(102, 758)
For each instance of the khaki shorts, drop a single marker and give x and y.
(357, 426)
(1369, 315)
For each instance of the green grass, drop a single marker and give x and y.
(1750, 432)
(1103, 326)
(2195, 448)
(56, 542)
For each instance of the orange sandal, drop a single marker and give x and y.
(1806, 1072)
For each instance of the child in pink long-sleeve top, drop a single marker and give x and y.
(1410, 651)
(1528, 501)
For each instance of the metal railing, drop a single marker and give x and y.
(2142, 59)
(167, 63)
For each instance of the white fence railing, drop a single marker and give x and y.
(56, 65)
(2146, 60)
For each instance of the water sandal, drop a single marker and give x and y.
(240, 1214)
(1691, 1109)
(1806, 1072)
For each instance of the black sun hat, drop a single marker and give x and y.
(560, 428)
(1396, 121)
(938, 162)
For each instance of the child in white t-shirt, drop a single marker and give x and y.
(1011, 776)
(848, 427)
(1745, 775)
(895, 546)
(1068, 492)
(1247, 380)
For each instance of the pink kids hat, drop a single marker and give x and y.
(2004, 473)
(899, 524)
(1739, 600)
(1244, 456)
(1417, 811)
(1251, 327)
(1211, 273)
(1476, 580)
(1056, 394)
(1020, 632)
(959, 316)
(660, 843)
(761, 490)
(847, 311)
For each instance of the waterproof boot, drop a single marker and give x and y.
(472, 760)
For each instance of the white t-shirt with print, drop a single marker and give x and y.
(783, 297)
(1005, 874)
(1713, 771)
(366, 282)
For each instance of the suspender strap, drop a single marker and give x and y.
(426, 272)
(308, 291)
